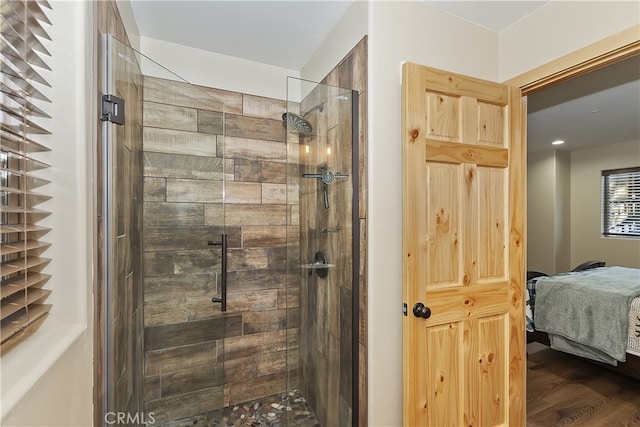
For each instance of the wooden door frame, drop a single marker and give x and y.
(605, 52)
(610, 50)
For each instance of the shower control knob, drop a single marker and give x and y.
(419, 310)
(328, 177)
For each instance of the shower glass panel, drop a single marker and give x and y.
(322, 249)
(163, 221)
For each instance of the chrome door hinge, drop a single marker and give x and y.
(112, 109)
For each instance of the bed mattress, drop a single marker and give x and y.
(633, 343)
(633, 346)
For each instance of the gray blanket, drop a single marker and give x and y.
(587, 313)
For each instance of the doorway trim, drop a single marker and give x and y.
(607, 51)
(590, 58)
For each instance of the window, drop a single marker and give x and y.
(22, 114)
(621, 202)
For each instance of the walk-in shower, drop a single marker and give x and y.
(230, 262)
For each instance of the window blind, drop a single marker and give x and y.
(621, 202)
(22, 183)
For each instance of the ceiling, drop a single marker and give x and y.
(280, 33)
(287, 33)
(494, 15)
(284, 33)
(601, 107)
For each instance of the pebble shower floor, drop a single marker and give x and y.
(278, 410)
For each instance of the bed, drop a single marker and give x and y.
(593, 313)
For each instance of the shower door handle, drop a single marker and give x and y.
(223, 285)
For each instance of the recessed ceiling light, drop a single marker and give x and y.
(594, 111)
(557, 142)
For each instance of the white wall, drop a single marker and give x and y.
(215, 70)
(559, 28)
(54, 365)
(402, 31)
(62, 395)
(351, 28)
(562, 223)
(548, 211)
(541, 180)
(586, 241)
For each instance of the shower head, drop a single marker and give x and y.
(298, 123)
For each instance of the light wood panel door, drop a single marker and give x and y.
(463, 239)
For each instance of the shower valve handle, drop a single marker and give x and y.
(325, 196)
(327, 176)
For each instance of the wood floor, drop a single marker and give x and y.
(565, 390)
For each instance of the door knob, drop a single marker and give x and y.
(419, 310)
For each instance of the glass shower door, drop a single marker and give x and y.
(165, 250)
(322, 243)
(120, 327)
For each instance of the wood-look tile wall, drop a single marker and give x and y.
(326, 304)
(119, 328)
(186, 335)
(352, 72)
